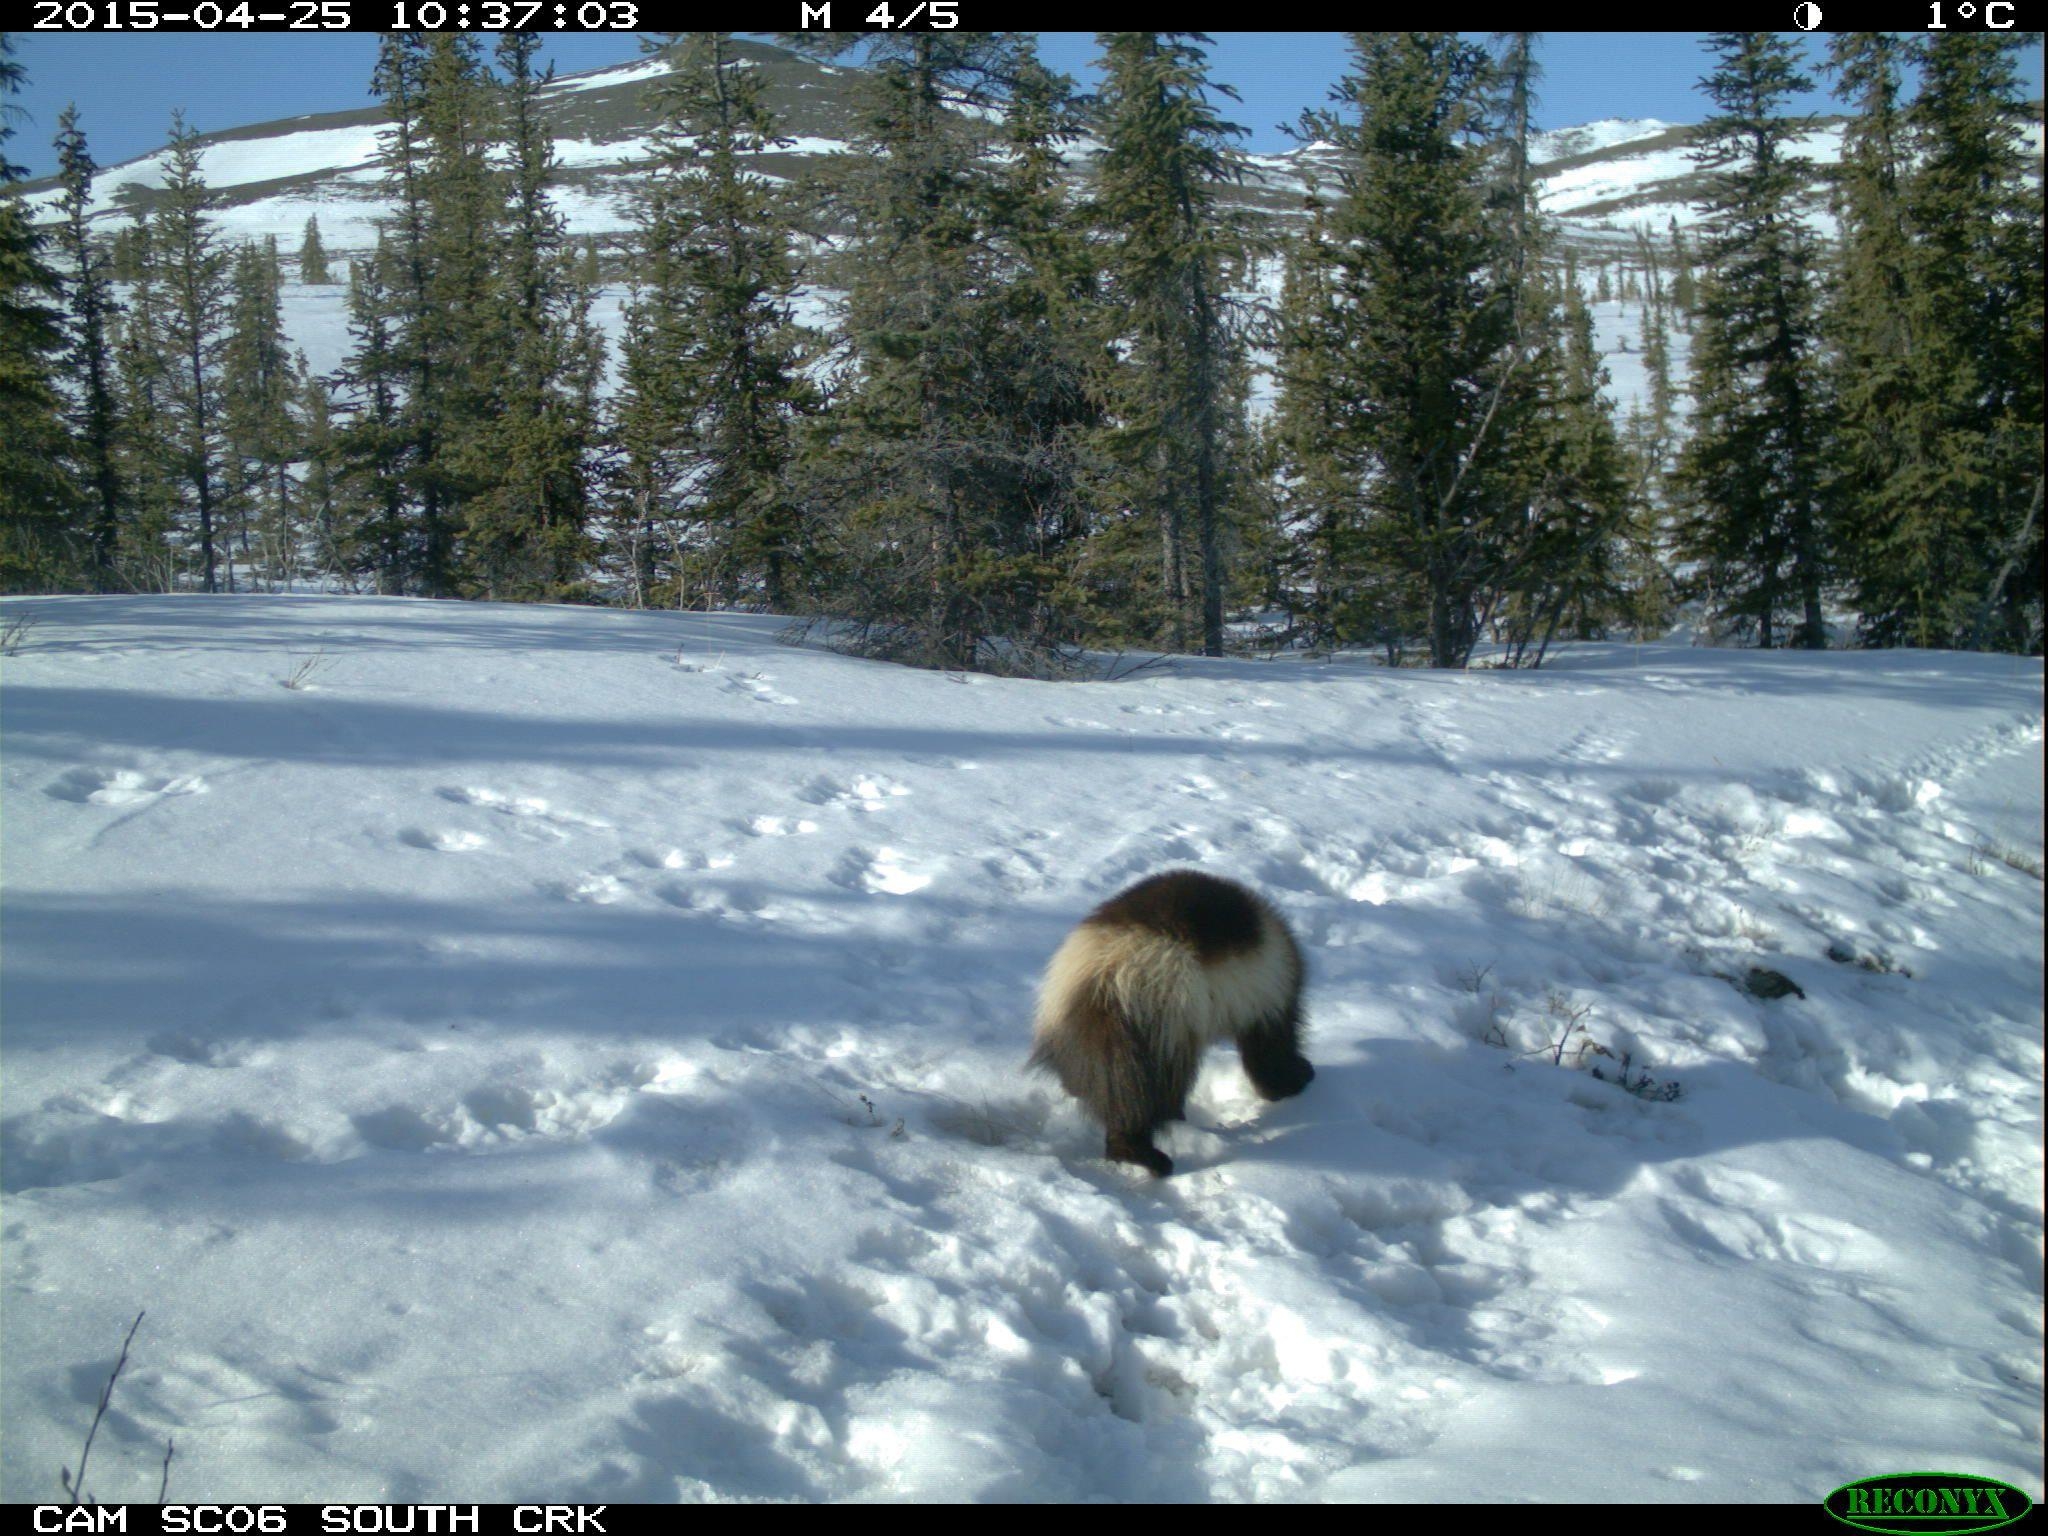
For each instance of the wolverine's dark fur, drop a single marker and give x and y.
(1150, 978)
(1213, 917)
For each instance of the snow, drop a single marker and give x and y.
(1634, 179)
(573, 1054)
(620, 74)
(316, 316)
(587, 152)
(1566, 191)
(346, 162)
(631, 152)
(1822, 145)
(812, 144)
(1618, 326)
(238, 162)
(345, 227)
(1585, 138)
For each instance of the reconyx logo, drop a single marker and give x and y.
(1950, 1503)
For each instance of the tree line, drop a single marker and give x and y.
(1024, 427)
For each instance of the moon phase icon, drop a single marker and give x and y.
(1808, 16)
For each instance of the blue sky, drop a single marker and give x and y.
(127, 85)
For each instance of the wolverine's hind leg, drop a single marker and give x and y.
(1122, 1077)
(1136, 1147)
(1148, 1084)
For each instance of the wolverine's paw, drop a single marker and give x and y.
(1284, 1079)
(1130, 1149)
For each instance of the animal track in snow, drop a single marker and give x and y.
(1429, 719)
(1728, 1212)
(735, 903)
(677, 858)
(523, 806)
(91, 1137)
(196, 1051)
(1342, 873)
(1144, 854)
(868, 792)
(598, 889)
(1016, 871)
(216, 1396)
(753, 685)
(776, 826)
(665, 858)
(1232, 732)
(1593, 745)
(881, 873)
(498, 1115)
(1077, 723)
(756, 687)
(434, 841)
(121, 786)
(682, 897)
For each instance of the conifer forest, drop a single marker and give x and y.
(1062, 392)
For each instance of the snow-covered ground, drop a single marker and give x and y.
(1586, 138)
(578, 1054)
(1618, 326)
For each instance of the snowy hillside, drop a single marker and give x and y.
(1602, 179)
(577, 1054)
(269, 178)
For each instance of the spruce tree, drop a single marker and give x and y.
(1515, 76)
(319, 490)
(153, 551)
(375, 538)
(523, 523)
(313, 254)
(1965, 541)
(714, 377)
(259, 391)
(651, 516)
(936, 535)
(1684, 286)
(1548, 491)
(914, 281)
(192, 271)
(1752, 472)
(39, 500)
(1427, 309)
(91, 309)
(390, 440)
(1321, 480)
(448, 343)
(463, 334)
(1884, 426)
(1657, 307)
(644, 459)
(1166, 154)
(1573, 571)
(1048, 356)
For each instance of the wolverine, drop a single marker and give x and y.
(1147, 982)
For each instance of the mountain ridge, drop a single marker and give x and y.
(1601, 180)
